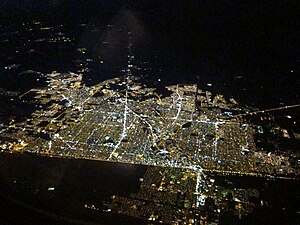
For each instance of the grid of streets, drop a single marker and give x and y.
(123, 120)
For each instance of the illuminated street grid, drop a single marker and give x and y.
(180, 135)
(122, 120)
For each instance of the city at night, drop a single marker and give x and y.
(149, 112)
